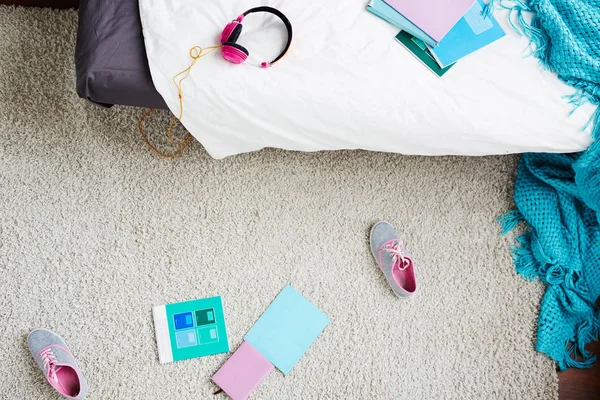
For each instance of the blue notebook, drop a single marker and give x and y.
(287, 329)
(384, 11)
(472, 32)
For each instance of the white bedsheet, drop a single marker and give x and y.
(346, 84)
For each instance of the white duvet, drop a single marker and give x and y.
(347, 84)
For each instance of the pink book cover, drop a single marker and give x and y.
(434, 17)
(243, 372)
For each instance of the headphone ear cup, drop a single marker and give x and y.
(231, 32)
(237, 31)
(239, 47)
(234, 53)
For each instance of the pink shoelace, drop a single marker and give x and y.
(394, 248)
(49, 360)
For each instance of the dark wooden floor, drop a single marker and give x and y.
(581, 384)
(574, 384)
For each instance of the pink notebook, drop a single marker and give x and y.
(243, 372)
(434, 17)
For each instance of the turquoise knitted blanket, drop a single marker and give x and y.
(558, 195)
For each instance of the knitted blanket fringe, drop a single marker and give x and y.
(558, 195)
(529, 266)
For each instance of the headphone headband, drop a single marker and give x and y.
(283, 18)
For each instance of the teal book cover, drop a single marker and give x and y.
(287, 329)
(421, 52)
(190, 329)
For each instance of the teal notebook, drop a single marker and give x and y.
(190, 329)
(287, 329)
(421, 52)
(384, 11)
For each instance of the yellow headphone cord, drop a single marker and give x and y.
(196, 53)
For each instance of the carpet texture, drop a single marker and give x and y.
(95, 229)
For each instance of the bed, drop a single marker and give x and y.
(110, 59)
(346, 84)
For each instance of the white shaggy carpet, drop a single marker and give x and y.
(95, 230)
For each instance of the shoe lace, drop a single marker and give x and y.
(394, 249)
(49, 360)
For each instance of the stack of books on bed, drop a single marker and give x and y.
(439, 32)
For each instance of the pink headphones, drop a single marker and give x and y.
(236, 53)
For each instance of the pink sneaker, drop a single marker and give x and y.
(397, 266)
(55, 360)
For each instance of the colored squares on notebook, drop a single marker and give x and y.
(207, 334)
(186, 338)
(205, 317)
(196, 328)
(183, 320)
